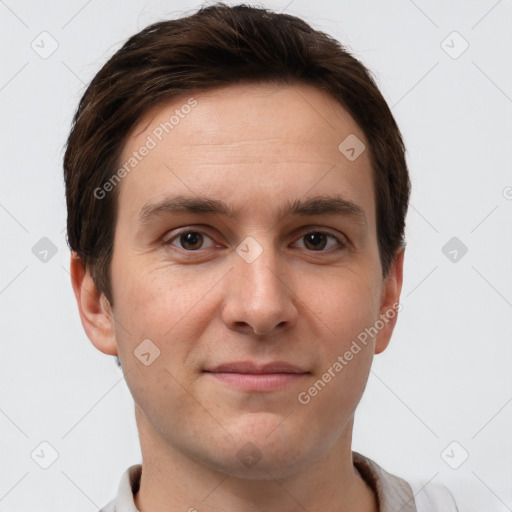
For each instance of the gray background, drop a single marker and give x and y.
(447, 374)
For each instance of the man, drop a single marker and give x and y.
(237, 191)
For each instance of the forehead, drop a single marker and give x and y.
(249, 142)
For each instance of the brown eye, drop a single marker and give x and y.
(315, 241)
(191, 241)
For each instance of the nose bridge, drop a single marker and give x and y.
(258, 296)
(259, 266)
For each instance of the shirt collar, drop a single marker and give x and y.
(128, 487)
(393, 493)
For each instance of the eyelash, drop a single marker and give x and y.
(341, 244)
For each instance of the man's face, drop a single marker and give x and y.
(262, 285)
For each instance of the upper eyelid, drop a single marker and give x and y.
(171, 240)
(184, 231)
(339, 237)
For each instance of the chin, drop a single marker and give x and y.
(263, 446)
(252, 463)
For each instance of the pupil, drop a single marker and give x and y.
(310, 239)
(191, 238)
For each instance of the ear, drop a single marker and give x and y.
(389, 307)
(94, 308)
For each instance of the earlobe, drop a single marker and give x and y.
(390, 298)
(94, 309)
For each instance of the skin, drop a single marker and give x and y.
(255, 147)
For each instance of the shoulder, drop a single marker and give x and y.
(395, 493)
(430, 497)
(392, 492)
(109, 507)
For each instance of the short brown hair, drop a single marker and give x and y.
(216, 47)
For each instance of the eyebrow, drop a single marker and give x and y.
(317, 205)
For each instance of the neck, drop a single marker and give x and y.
(172, 481)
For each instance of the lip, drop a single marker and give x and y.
(250, 367)
(249, 376)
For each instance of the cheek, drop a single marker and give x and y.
(159, 303)
(163, 307)
(346, 302)
(335, 394)
(347, 308)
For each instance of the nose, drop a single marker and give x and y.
(259, 297)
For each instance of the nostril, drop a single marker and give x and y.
(243, 326)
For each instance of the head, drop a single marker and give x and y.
(237, 190)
